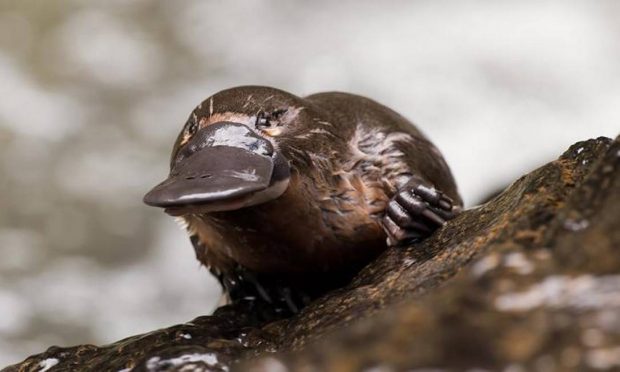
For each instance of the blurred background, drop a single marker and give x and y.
(92, 95)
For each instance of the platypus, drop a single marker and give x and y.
(285, 197)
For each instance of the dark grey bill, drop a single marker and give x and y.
(222, 161)
(213, 174)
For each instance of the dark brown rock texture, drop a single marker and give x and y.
(528, 281)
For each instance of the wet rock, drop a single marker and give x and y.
(528, 281)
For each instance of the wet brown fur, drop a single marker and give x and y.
(348, 155)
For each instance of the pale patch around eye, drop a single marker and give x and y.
(280, 119)
(273, 132)
(233, 117)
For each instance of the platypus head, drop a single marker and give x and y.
(229, 154)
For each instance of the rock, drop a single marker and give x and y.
(528, 281)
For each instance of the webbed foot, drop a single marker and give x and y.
(416, 211)
(243, 285)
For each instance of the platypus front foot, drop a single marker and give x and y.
(243, 285)
(416, 211)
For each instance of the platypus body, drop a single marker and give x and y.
(285, 197)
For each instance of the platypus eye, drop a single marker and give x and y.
(262, 121)
(266, 120)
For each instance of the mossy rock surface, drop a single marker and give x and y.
(528, 281)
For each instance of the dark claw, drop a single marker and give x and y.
(257, 286)
(416, 211)
(433, 217)
(243, 285)
(445, 205)
(412, 203)
(400, 216)
(392, 230)
(445, 214)
(398, 213)
(434, 197)
(430, 195)
(286, 295)
(398, 235)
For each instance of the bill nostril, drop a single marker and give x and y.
(194, 176)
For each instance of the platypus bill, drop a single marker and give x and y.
(286, 197)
